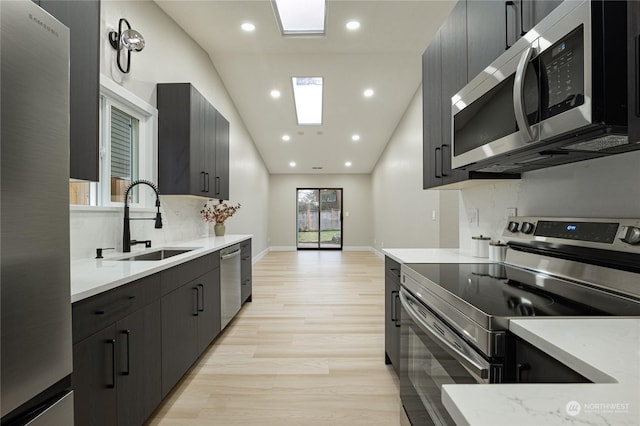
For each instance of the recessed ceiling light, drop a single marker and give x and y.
(297, 17)
(368, 93)
(348, 164)
(286, 138)
(355, 137)
(307, 93)
(275, 94)
(353, 25)
(248, 27)
(292, 164)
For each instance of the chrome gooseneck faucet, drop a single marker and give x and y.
(126, 234)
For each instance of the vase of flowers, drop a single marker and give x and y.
(217, 214)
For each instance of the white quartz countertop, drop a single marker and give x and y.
(432, 255)
(604, 350)
(93, 276)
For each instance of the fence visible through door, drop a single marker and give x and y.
(319, 218)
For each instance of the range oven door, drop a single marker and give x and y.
(432, 355)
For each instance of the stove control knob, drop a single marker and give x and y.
(631, 235)
(527, 227)
(513, 226)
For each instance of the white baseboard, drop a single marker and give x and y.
(282, 248)
(260, 255)
(344, 248)
(378, 252)
(357, 248)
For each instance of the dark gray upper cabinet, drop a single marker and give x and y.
(83, 20)
(445, 68)
(633, 60)
(182, 152)
(492, 27)
(534, 11)
(453, 41)
(190, 162)
(432, 110)
(222, 158)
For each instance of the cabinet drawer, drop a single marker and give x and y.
(391, 268)
(95, 313)
(179, 275)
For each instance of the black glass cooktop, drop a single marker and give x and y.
(503, 291)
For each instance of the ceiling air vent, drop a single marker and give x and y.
(316, 168)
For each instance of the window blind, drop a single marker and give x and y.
(122, 139)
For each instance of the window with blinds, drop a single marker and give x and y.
(124, 154)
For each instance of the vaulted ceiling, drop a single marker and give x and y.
(384, 54)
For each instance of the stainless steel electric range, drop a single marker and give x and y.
(455, 317)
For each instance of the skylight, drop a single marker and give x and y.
(307, 93)
(297, 17)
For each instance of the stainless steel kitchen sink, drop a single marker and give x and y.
(160, 254)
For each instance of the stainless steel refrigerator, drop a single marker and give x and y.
(36, 353)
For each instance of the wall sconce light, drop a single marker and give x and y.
(129, 39)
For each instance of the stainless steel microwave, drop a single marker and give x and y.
(558, 95)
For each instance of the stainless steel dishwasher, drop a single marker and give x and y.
(229, 283)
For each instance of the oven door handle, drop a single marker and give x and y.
(479, 368)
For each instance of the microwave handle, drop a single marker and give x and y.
(518, 94)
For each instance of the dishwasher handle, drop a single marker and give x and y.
(230, 255)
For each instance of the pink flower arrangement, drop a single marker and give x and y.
(218, 212)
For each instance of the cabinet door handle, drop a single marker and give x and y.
(195, 314)
(204, 180)
(208, 185)
(394, 316)
(112, 342)
(396, 299)
(442, 157)
(217, 185)
(520, 367)
(202, 296)
(637, 69)
(435, 161)
(522, 31)
(127, 334)
(506, 27)
(395, 271)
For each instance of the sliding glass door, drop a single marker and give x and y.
(319, 218)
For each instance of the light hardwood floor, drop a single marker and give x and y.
(309, 350)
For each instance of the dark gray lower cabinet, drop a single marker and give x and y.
(190, 322)
(245, 271)
(138, 365)
(533, 365)
(208, 309)
(391, 313)
(94, 379)
(179, 334)
(133, 344)
(116, 355)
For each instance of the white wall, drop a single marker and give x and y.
(170, 55)
(402, 209)
(604, 187)
(356, 201)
